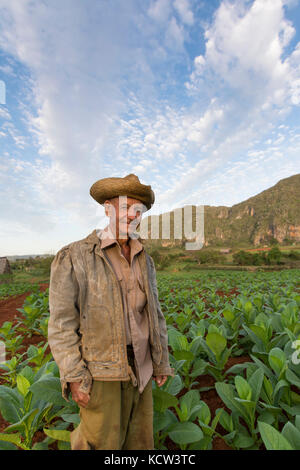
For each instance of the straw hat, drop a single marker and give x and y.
(129, 186)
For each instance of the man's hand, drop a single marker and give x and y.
(81, 398)
(160, 379)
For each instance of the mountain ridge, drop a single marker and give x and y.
(274, 213)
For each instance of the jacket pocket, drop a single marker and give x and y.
(98, 335)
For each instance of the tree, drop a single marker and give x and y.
(161, 261)
(242, 258)
(274, 255)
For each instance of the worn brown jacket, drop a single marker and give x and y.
(86, 330)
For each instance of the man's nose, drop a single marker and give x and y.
(132, 216)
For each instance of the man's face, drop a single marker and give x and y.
(125, 214)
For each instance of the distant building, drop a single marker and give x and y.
(4, 266)
(225, 251)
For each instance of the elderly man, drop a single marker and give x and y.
(106, 329)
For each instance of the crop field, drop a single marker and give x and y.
(10, 290)
(234, 342)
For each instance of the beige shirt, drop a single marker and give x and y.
(134, 301)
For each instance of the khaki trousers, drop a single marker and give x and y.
(117, 417)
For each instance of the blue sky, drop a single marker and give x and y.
(200, 99)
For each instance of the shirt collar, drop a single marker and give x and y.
(107, 239)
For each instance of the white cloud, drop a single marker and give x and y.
(244, 47)
(7, 70)
(97, 109)
(76, 89)
(4, 114)
(174, 35)
(160, 10)
(184, 10)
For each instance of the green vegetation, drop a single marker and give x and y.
(274, 256)
(213, 317)
(12, 289)
(268, 218)
(171, 259)
(31, 269)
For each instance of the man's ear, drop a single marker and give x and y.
(107, 205)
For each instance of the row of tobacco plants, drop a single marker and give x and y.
(213, 318)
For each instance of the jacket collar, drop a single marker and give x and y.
(96, 238)
(92, 239)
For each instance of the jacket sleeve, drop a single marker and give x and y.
(164, 367)
(64, 322)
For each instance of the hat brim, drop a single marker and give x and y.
(108, 188)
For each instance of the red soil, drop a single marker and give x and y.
(8, 307)
(213, 401)
(8, 312)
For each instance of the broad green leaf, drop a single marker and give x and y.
(295, 397)
(243, 388)
(24, 422)
(57, 434)
(217, 343)
(28, 373)
(7, 446)
(63, 445)
(267, 371)
(213, 329)
(195, 345)
(274, 409)
(292, 410)
(260, 332)
(23, 384)
(199, 368)
(10, 405)
(256, 340)
(14, 439)
(185, 433)
(248, 306)
(175, 385)
(277, 360)
(281, 384)
(267, 389)
(267, 417)
(48, 389)
(226, 420)
(163, 420)
(255, 382)
(272, 438)
(237, 368)
(292, 435)
(228, 315)
(28, 309)
(243, 441)
(258, 302)
(217, 418)
(163, 400)
(71, 417)
(226, 393)
(173, 338)
(190, 404)
(204, 413)
(292, 378)
(182, 343)
(32, 351)
(183, 355)
(204, 444)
